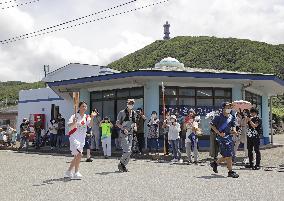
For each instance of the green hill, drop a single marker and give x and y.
(9, 91)
(209, 52)
(213, 53)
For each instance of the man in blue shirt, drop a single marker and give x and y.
(224, 125)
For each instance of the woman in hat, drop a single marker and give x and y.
(174, 138)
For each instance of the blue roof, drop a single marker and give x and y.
(152, 73)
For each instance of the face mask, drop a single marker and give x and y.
(228, 111)
(130, 107)
(154, 115)
(172, 120)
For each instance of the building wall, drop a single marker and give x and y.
(12, 117)
(39, 101)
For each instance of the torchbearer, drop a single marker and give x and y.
(78, 124)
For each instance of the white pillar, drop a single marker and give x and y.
(265, 119)
(237, 92)
(151, 101)
(85, 96)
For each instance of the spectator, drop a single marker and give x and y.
(25, 134)
(140, 129)
(165, 127)
(53, 129)
(117, 140)
(174, 138)
(37, 128)
(214, 146)
(88, 144)
(2, 137)
(242, 123)
(153, 133)
(60, 131)
(180, 120)
(191, 127)
(106, 126)
(95, 141)
(253, 139)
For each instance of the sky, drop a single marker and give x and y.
(101, 42)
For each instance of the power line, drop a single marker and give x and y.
(70, 21)
(26, 36)
(20, 4)
(7, 2)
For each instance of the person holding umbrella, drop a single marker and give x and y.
(253, 139)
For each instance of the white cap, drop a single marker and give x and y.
(173, 117)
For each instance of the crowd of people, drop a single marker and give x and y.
(229, 128)
(53, 136)
(8, 136)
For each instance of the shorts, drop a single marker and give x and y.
(226, 146)
(76, 146)
(87, 143)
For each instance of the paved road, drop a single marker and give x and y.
(39, 177)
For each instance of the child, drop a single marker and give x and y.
(174, 138)
(106, 126)
(153, 133)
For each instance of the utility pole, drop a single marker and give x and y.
(46, 69)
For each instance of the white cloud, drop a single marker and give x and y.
(104, 41)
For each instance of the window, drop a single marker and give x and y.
(110, 102)
(256, 100)
(219, 101)
(187, 101)
(169, 101)
(171, 91)
(120, 105)
(186, 92)
(108, 110)
(204, 102)
(223, 93)
(97, 105)
(204, 92)
(137, 92)
(108, 94)
(96, 95)
(123, 93)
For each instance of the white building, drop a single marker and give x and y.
(42, 101)
(201, 89)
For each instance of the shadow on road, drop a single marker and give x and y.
(212, 176)
(107, 173)
(52, 181)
